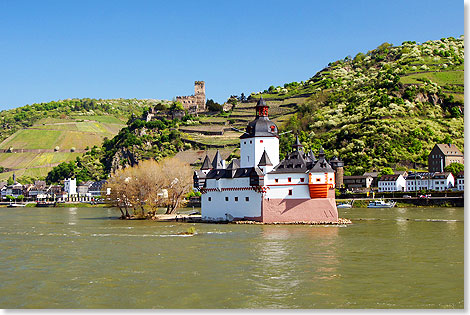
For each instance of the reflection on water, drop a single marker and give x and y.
(80, 258)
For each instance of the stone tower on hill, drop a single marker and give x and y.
(197, 102)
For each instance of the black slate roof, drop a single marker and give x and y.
(217, 162)
(234, 173)
(261, 126)
(206, 165)
(299, 162)
(265, 160)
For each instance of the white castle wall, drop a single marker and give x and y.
(280, 189)
(251, 150)
(215, 207)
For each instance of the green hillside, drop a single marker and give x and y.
(387, 107)
(36, 138)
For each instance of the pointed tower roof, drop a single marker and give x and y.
(217, 161)
(297, 145)
(311, 155)
(206, 165)
(321, 166)
(261, 102)
(261, 126)
(264, 161)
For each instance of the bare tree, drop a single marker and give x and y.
(151, 184)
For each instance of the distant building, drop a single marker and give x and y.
(395, 182)
(70, 186)
(429, 181)
(357, 182)
(418, 181)
(375, 177)
(197, 102)
(459, 185)
(96, 188)
(14, 190)
(442, 155)
(442, 181)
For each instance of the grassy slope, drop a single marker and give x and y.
(76, 132)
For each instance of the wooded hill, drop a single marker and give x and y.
(386, 107)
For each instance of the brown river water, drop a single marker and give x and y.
(87, 258)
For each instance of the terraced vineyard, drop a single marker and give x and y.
(33, 151)
(219, 132)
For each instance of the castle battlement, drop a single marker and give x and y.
(197, 102)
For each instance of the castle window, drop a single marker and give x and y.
(290, 192)
(209, 199)
(318, 179)
(226, 198)
(236, 198)
(302, 180)
(276, 180)
(289, 179)
(247, 198)
(273, 128)
(251, 142)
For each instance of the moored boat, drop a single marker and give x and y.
(344, 205)
(381, 204)
(16, 205)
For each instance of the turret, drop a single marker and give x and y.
(261, 135)
(338, 166)
(265, 163)
(217, 163)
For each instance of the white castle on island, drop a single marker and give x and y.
(259, 187)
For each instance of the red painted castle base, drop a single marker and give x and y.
(300, 210)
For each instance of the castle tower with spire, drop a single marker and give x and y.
(261, 135)
(259, 187)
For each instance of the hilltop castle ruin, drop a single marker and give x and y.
(197, 102)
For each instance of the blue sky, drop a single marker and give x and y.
(51, 50)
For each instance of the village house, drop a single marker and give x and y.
(429, 181)
(357, 182)
(375, 177)
(418, 181)
(442, 155)
(96, 188)
(395, 182)
(460, 181)
(442, 181)
(39, 188)
(14, 190)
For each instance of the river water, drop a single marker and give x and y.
(87, 258)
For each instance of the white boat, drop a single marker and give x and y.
(344, 205)
(381, 204)
(14, 205)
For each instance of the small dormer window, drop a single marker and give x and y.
(273, 128)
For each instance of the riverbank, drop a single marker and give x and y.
(413, 202)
